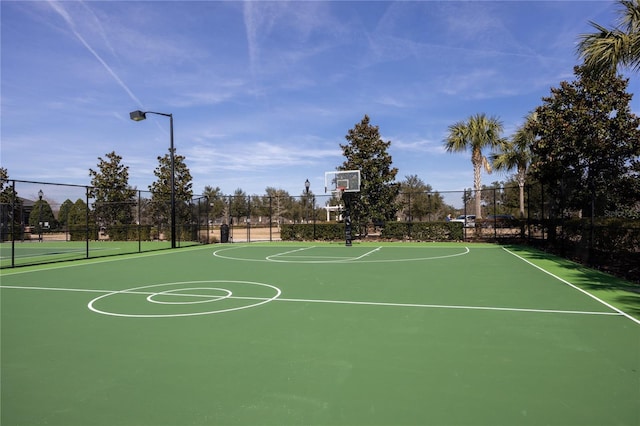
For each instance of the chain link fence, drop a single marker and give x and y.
(46, 222)
(74, 224)
(581, 225)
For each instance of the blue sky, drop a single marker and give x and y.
(263, 93)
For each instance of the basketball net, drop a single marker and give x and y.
(339, 192)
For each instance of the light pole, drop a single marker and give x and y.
(307, 185)
(40, 194)
(139, 116)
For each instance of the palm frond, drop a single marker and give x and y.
(630, 15)
(604, 50)
(607, 48)
(458, 139)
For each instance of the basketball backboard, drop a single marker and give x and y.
(346, 180)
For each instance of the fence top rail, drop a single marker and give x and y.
(45, 183)
(89, 187)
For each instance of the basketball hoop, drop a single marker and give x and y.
(341, 182)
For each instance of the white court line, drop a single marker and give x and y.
(339, 302)
(337, 259)
(288, 252)
(143, 293)
(367, 253)
(334, 259)
(81, 290)
(311, 256)
(637, 321)
(420, 305)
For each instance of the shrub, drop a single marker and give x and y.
(423, 231)
(310, 231)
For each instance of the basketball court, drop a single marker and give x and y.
(319, 333)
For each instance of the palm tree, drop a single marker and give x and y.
(515, 154)
(605, 49)
(478, 132)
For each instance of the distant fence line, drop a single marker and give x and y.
(32, 211)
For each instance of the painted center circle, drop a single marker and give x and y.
(186, 298)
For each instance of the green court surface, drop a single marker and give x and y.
(319, 334)
(38, 252)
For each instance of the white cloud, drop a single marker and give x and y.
(418, 145)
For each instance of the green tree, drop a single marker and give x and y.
(239, 206)
(281, 204)
(607, 48)
(366, 151)
(258, 209)
(77, 220)
(588, 143)
(63, 214)
(418, 199)
(42, 217)
(516, 154)
(510, 197)
(301, 209)
(4, 179)
(160, 207)
(493, 197)
(114, 199)
(475, 134)
(7, 194)
(217, 203)
(10, 207)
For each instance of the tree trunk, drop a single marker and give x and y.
(476, 159)
(521, 182)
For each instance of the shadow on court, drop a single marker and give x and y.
(617, 290)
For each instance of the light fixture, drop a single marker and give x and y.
(138, 115)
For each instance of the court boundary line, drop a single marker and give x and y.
(136, 291)
(575, 287)
(327, 259)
